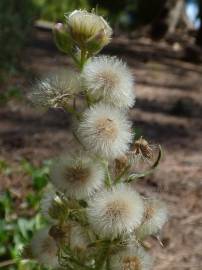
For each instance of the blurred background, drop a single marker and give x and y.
(162, 42)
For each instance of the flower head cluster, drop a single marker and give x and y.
(88, 30)
(56, 90)
(97, 218)
(155, 216)
(105, 131)
(116, 211)
(84, 31)
(78, 176)
(132, 258)
(108, 78)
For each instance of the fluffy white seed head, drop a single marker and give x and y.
(116, 211)
(109, 78)
(78, 176)
(55, 90)
(105, 131)
(155, 216)
(132, 258)
(88, 30)
(78, 239)
(44, 249)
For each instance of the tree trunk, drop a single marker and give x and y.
(175, 15)
(199, 33)
(171, 17)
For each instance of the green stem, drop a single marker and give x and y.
(83, 59)
(78, 263)
(76, 61)
(73, 111)
(78, 140)
(74, 104)
(108, 180)
(72, 259)
(88, 99)
(108, 263)
(103, 257)
(118, 178)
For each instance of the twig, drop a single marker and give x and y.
(78, 140)
(8, 262)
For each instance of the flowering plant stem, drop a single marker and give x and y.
(72, 262)
(104, 253)
(78, 140)
(108, 180)
(83, 58)
(96, 219)
(76, 61)
(73, 111)
(122, 174)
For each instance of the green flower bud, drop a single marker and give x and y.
(88, 30)
(58, 208)
(62, 38)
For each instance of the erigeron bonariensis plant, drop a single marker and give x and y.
(97, 218)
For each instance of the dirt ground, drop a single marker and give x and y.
(168, 111)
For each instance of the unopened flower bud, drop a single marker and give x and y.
(121, 164)
(59, 26)
(54, 206)
(62, 39)
(60, 233)
(88, 30)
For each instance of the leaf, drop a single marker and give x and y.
(23, 226)
(5, 204)
(33, 199)
(39, 175)
(4, 167)
(27, 167)
(40, 180)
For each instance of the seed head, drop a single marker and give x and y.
(56, 90)
(77, 175)
(132, 258)
(115, 212)
(155, 216)
(109, 79)
(44, 248)
(142, 153)
(105, 131)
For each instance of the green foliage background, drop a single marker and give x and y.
(16, 25)
(52, 10)
(19, 220)
(16, 18)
